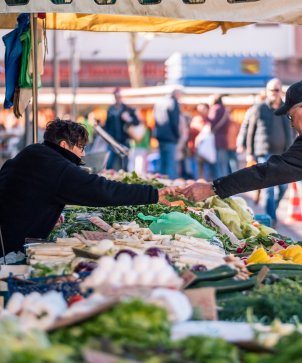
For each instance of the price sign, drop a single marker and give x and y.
(203, 299)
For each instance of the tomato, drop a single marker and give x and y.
(74, 299)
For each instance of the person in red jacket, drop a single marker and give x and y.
(220, 121)
(36, 185)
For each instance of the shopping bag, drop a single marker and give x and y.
(177, 223)
(205, 145)
(136, 133)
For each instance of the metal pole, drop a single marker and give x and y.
(27, 126)
(73, 75)
(34, 43)
(56, 75)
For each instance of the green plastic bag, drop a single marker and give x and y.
(176, 222)
(25, 77)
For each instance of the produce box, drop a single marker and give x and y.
(67, 284)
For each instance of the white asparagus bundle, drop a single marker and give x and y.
(193, 259)
(161, 237)
(41, 248)
(72, 241)
(208, 257)
(203, 244)
(49, 257)
(52, 254)
(198, 242)
(199, 251)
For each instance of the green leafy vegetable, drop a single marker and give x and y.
(282, 300)
(131, 323)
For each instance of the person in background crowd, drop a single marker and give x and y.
(220, 120)
(268, 134)
(167, 115)
(277, 170)
(241, 138)
(119, 118)
(88, 122)
(42, 178)
(233, 131)
(139, 151)
(13, 138)
(206, 170)
(196, 126)
(181, 147)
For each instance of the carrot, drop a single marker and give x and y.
(178, 203)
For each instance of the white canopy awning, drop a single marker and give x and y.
(278, 11)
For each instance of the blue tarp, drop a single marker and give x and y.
(12, 60)
(219, 70)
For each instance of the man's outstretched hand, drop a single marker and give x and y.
(164, 192)
(198, 191)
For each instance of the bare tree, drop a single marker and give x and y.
(135, 65)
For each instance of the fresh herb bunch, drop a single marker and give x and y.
(282, 300)
(133, 178)
(133, 323)
(207, 350)
(120, 214)
(196, 349)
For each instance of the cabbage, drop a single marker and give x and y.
(214, 202)
(265, 231)
(231, 219)
(241, 209)
(248, 230)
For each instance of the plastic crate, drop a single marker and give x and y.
(43, 285)
(264, 219)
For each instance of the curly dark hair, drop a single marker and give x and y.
(72, 132)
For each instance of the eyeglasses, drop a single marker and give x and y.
(275, 90)
(81, 147)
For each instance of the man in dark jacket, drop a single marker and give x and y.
(278, 169)
(119, 118)
(42, 178)
(167, 115)
(269, 134)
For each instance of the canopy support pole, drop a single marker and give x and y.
(34, 43)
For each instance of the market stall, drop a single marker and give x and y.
(189, 282)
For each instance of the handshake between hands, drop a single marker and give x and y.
(195, 192)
